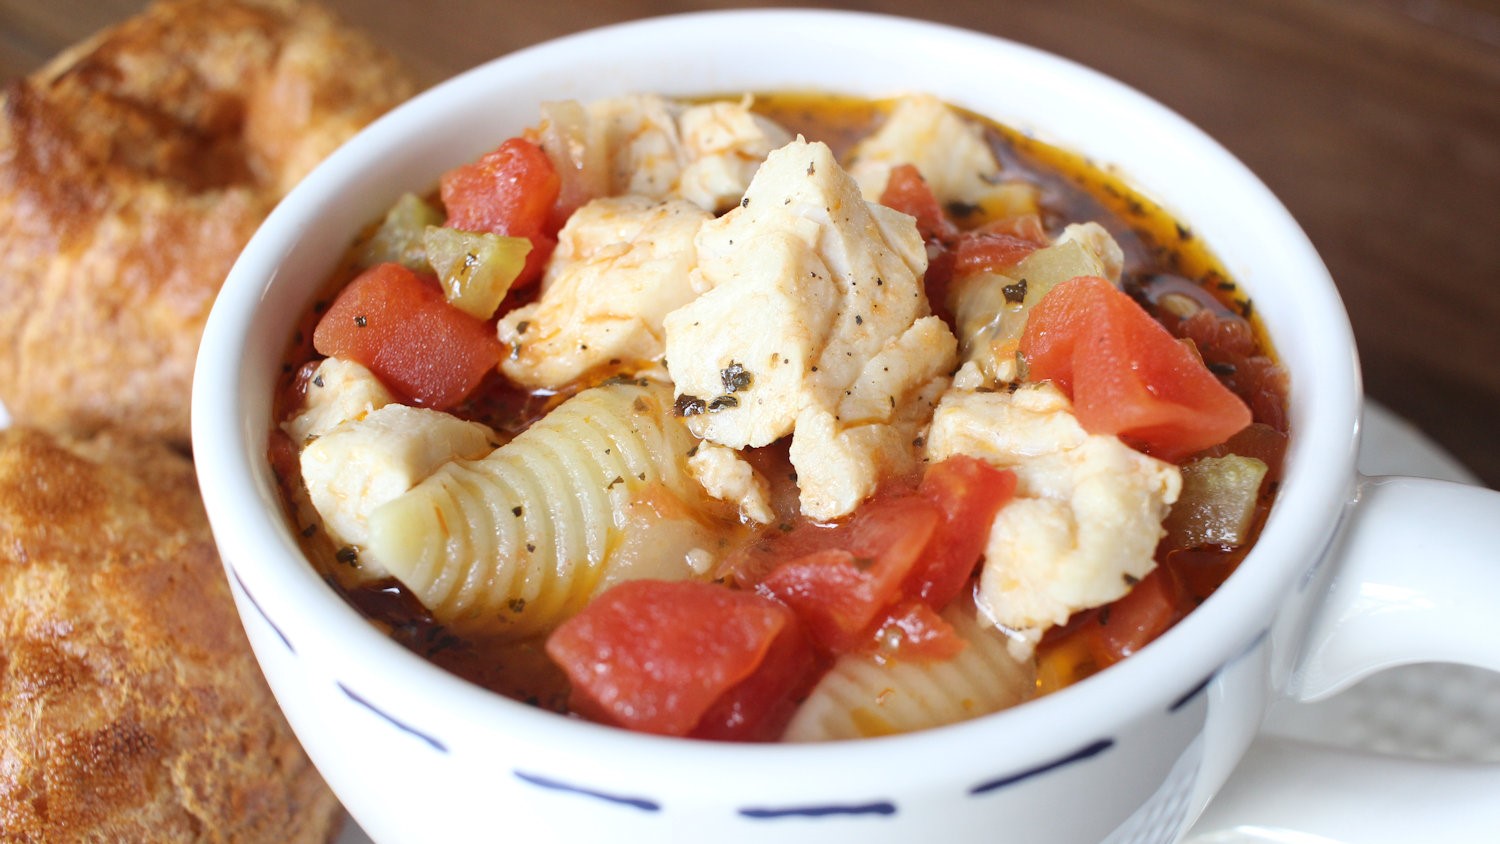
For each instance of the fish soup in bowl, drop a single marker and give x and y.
(778, 416)
(744, 512)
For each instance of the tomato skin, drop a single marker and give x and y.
(508, 191)
(1229, 343)
(840, 591)
(761, 705)
(990, 251)
(399, 326)
(657, 656)
(1126, 374)
(1146, 611)
(901, 548)
(968, 492)
(914, 630)
(906, 191)
(1095, 639)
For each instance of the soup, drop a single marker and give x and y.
(787, 417)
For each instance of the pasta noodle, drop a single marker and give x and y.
(521, 539)
(866, 695)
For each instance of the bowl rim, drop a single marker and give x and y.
(229, 438)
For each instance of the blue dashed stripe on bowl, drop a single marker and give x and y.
(266, 618)
(641, 803)
(1188, 696)
(879, 807)
(392, 720)
(1087, 752)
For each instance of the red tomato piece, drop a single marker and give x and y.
(656, 656)
(399, 326)
(759, 708)
(968, 492)
(1098, 638)
(938, 281)
(1126, 374)
(990, 251)
(914, 630)
(508, 191)
(1125, 626)
(906, 191)
(1227, 345)
(841, 590)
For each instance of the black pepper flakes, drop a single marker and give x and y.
(736, 378)
(689, 405)
(360, 321)
(1015, 293)
(516, 511)
(722, 402)
(348, 555)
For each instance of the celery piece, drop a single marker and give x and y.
(475, 269)
(398, 239)
(1217, 504)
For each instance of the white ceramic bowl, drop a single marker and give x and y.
(1132, 754)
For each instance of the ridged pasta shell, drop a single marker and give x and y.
(862, 696)
(516, 542)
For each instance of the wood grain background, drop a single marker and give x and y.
(1377, 122)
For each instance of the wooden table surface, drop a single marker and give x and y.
(1377, 122)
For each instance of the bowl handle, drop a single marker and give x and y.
(1417, 580)
(1414, 580)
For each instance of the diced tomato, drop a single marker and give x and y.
(915, 630)
(1098, 638)
(938, 281)
(1147, 610)
(509, 191)
(901, 547)
(968, 492)
(1257, 440)
(657, 656)
(906, 191)
(1200, 571)
(1227, 345)
(759, 708)
(990, 251)
(840, 591)
(1126, 374)
(399, 326)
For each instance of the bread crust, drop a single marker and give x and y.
(133, 169)
(131, 706)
